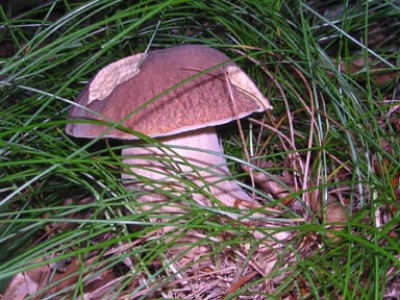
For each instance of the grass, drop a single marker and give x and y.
(331, 73)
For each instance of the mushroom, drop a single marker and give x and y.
(176, 95)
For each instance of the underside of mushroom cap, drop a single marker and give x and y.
(204, 100)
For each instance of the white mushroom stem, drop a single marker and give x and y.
(200, 167)
(209, 169)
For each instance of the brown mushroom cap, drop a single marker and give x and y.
(206, 100)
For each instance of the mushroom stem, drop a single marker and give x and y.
(203, 168)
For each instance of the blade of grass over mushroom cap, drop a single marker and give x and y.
(184, 116)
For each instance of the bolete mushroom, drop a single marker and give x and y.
(191, 89)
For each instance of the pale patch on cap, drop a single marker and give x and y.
(240, 79)
(113, 75)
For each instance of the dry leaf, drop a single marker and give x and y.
(378, 71)
(337, 215)
(27, 283)
(280, 187)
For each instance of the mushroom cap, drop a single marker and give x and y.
(205, 100)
